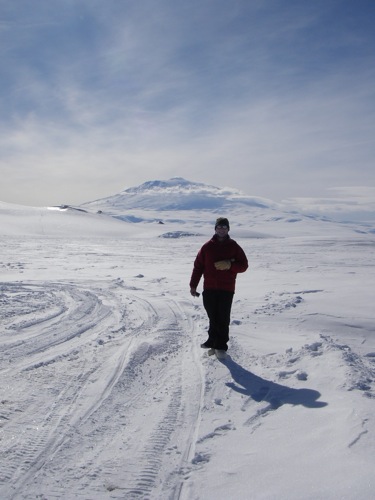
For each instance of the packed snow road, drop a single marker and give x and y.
(101, 389)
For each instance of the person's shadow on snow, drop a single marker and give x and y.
(276, 395)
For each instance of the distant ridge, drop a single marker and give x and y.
(176, 193)
(181, 202)
(173, 208)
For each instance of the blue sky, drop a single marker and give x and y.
(273, 97)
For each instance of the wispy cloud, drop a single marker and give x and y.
(354, 203)
(98, 96)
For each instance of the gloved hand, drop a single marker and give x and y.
(223, 265)
(193, 292)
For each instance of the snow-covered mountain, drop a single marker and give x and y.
(185, 203)
(179, 207)
(177, 194)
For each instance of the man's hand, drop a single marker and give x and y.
(223, 265)
(193, 292)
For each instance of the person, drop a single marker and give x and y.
(218, 261)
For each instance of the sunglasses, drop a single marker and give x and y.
(221, 227)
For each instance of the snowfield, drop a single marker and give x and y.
(106, 394)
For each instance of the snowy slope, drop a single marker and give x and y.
(106, 393)
(65, 222)
(177, 194)
(187, 204)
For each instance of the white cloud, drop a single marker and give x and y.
(347, 203)
(244, 97)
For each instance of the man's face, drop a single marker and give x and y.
(221, 230)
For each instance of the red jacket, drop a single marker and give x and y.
(211, 252)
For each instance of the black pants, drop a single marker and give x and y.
(218, 305)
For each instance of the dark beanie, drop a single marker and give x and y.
(222, 221)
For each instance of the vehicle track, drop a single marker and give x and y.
(141, 370)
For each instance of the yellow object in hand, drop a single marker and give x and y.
(223, 265)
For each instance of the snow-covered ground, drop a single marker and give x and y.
(106, 394)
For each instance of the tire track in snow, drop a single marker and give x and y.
(161, 417)
(151, 456)
(135, 375)
(34, 425)
(52, 315)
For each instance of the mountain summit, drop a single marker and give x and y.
(176, 194)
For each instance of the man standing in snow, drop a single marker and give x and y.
(219, 260)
